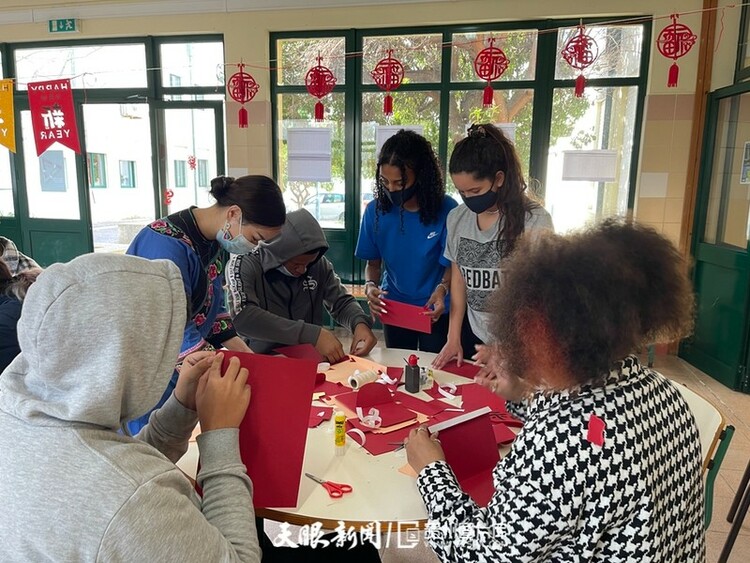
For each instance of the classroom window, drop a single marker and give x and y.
(127, 173)
(97, 170)
(441, 96)
(180, 173)
(202, 173)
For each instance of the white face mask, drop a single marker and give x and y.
(286, 272)
(236, 245)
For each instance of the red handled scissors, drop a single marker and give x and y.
(335, 490)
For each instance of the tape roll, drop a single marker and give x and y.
(360, 378)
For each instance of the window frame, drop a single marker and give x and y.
(131, 166)
(100, 159)
(543, 86)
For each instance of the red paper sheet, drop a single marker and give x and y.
(304, 352)
(433, 391)
(378, 444)
(471, 450)
(466, 369)
(331, 389)
(429, 408)
(318, 415)
(375, 395)
(503, 434)
(476, 396)
(276, 421)
(406, 316)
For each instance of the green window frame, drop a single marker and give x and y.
(127, 174)
(542, 82)
(97, 170)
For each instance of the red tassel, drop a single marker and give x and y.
(319, 111)
(674, 74)
(388, 105)
(243, 117)
(488, 96)
(580, 85)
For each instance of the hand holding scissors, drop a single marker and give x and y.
(335, 490)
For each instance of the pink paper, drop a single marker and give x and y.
(276, 421)
(318, 415)
(406, 316)
(466, 369)
(429, 408)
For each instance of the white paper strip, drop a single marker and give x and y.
(458, 420)
(591, 166)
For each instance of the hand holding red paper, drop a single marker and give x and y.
(374, 300)
(406, 316)
(193, 368)
(329, 346)
(363, 340)
(435, 306)
(222, 400)
(423, 448)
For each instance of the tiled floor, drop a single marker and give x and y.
(736, 410)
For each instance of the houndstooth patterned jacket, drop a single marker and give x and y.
(560, 496)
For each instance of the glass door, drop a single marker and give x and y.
(191, 153)
(721, 274)
(121, 179)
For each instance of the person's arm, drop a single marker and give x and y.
(236, 344)
(341, 304)
(254, 322)
(452, 348)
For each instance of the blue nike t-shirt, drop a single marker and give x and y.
(412, 256)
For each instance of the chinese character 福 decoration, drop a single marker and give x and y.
(675, 41)
(319, 82)
(580, 52)
(490, 64)
(242, 88)
(388, 75)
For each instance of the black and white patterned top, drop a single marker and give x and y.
(570, 491)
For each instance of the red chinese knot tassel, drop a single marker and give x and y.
(674, 75)
(580, 85)
(388, 105)
(319, 111)
(489, 96)
(243, 117)
(242, 87)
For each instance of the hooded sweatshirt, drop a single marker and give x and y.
(271, 309)
(99, 337)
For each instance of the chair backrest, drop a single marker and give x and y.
(710, 421)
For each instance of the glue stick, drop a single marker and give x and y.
(339, 432)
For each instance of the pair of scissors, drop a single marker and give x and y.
(335, 490)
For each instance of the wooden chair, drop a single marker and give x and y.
(715, 436)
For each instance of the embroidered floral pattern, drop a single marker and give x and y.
(199, 319)
(220, 326)
(168, 228)
(213, 271)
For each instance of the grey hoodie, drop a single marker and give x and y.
(99, 338)
(269, 308)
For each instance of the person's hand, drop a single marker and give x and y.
(451, 351)
(222, 399)
(329, 346)
(483, 354)
(422, 449)
(375, 300)
(435, 306)
(497, 379)
(363, 340)
(193, 367)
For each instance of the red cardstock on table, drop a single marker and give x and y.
(406, 316)
(318, 415)
(466, 369)
(503, 434)
(375, 395)
(429, 408)
(471, 450)
(433, 391)
(378, 444)
(331, 389)
(274, 431)
(304, 352)
(394, 372)
(476, 396)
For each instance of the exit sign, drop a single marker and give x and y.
(69, 25)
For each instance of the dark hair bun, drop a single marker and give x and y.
(220, 186)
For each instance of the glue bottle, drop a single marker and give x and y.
(412, 375)
(339, 432)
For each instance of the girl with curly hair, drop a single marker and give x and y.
(482, 233)
(404, 229)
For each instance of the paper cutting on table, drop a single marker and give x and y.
(318, 415)
(378, 444)
(434, 391)
(475, 396)
(303, 352)
(276, 421)
(429, 408)
(408, 316)
(376, 396)
(466, 369)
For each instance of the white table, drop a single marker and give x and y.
(381, 493)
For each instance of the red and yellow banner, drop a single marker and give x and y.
(7, 119)
(52, 115)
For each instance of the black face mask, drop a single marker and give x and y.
(481, 203)
(402, 196)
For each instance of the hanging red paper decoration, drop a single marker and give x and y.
(675, 41)
(191, 162)
(242, 88)
(490, 64)
(168, 195)
(388, 75)
(319, 81)
(580, 52)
